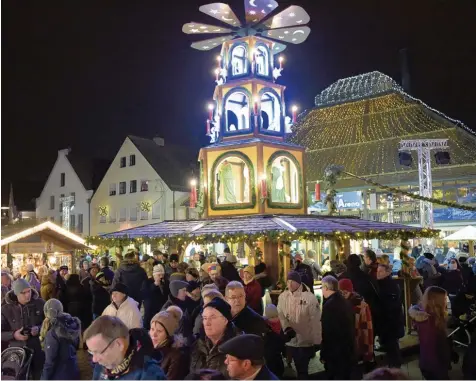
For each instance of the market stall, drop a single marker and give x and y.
(466, 234)
(44, 244)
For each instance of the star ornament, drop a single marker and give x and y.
(277, 73)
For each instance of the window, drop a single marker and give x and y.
(132, 160)
(52, 202)
(133, 186)
(156, 211)
(123, 162)
(232, 179)
(284, 181)
(122, 187)
(61, 220)
(112, 189)
(80, 223)
(73, 202)
(262, 61)
(144, 185)
(112, 216)
(270, 112)
(133, 215)
(72, 222)
(239, 60)
(237, 111)
(63, 179)
(123, 214)
(102, 219)
(61, 203)
(144, 215)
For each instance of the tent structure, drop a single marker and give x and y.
(466, 234)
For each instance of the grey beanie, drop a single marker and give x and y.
(53, 308)
(177, 285)
(19, 286)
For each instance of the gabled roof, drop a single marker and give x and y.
(359, 121)
(174, 164)
(90, 171)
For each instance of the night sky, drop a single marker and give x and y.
(84, 74)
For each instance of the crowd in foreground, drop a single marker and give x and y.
(161, 319)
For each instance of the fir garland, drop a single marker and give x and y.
(331, 175)
(200, 208)
(450, 204)
(405, 257)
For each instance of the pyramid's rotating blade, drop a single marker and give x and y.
(198, 28)
(291, 16)
(211, 43)
(294, 35)
(278, 48)
(256, 10)
(222, 12)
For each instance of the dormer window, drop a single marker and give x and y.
(239, 62)
(237, 109)
(262, 60)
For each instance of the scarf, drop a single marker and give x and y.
(124, 366)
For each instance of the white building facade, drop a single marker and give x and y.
(146, 182)
(62, 182)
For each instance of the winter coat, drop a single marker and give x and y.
(100, 297)
(108, 275)
(221, 282)
(300, 311)
(128, 312)
(250, 322)
(175, 358)
(154, 298)
(431, 277)
(48, 287)
(205, 355)
(229, 272)
(307, 276)
(83, 274)
(364, 332)
(133, 276)
(452, 281)
(16, 316)
(143, 365)
(77, 303)
(435, 353)
(186, 325)
(391, 322)
(61, 343)
(265, 374)
(253, 296)
(60, 285)
(316, 270)
(338, 332)
(33, 280)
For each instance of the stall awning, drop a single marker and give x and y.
(49, 229)
(274, 227)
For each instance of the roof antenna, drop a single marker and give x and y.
(404, 71)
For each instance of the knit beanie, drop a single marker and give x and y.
(271, 311)
(346, 285)
(169, 319)
(177, 285)
(178, 276)
(250, 270)
(174, 258)
(53, 308)
(19, 286)
(192, 285)
(158, 269)
(221, 306)
(122, 288)
(231, 258)
(295, 276)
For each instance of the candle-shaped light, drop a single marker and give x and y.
(264, 186)
(294, 110)
(281, 59)
(317, 191)
(255, 105)
(219, 61)
(208, 127)
(210, 111)
(217, 74)
(193, 193)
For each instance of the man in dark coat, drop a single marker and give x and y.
(106, 270)
(243, 363)
(391, 326)
(305, 271)
(61, 283)
(228, 269)
(100, 295)
(132, 275)
(338, 332)
(155, 292)
(22, 316)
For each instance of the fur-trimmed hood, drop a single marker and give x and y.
(67, 327)
(11, 298)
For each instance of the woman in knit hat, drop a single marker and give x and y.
(171, 346)
(60, 333)
(155, 292)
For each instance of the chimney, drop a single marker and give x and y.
(64, 152)
(159, 141)
(404, 71)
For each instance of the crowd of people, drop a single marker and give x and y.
(159, 318)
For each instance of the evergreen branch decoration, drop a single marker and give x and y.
(200, 208)
(331, 175)
(450, 204)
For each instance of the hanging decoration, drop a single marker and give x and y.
(331, 175)
(145, 206)
(200, 207)
(193, 193)
(102, 211)
(405, 248)
(317, 192)
(413, 196)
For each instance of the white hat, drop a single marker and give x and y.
(158, 269)
(231, 258)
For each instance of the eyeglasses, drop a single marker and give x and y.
(236, 297)
(104, 350)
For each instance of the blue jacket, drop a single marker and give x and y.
(61, 343)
